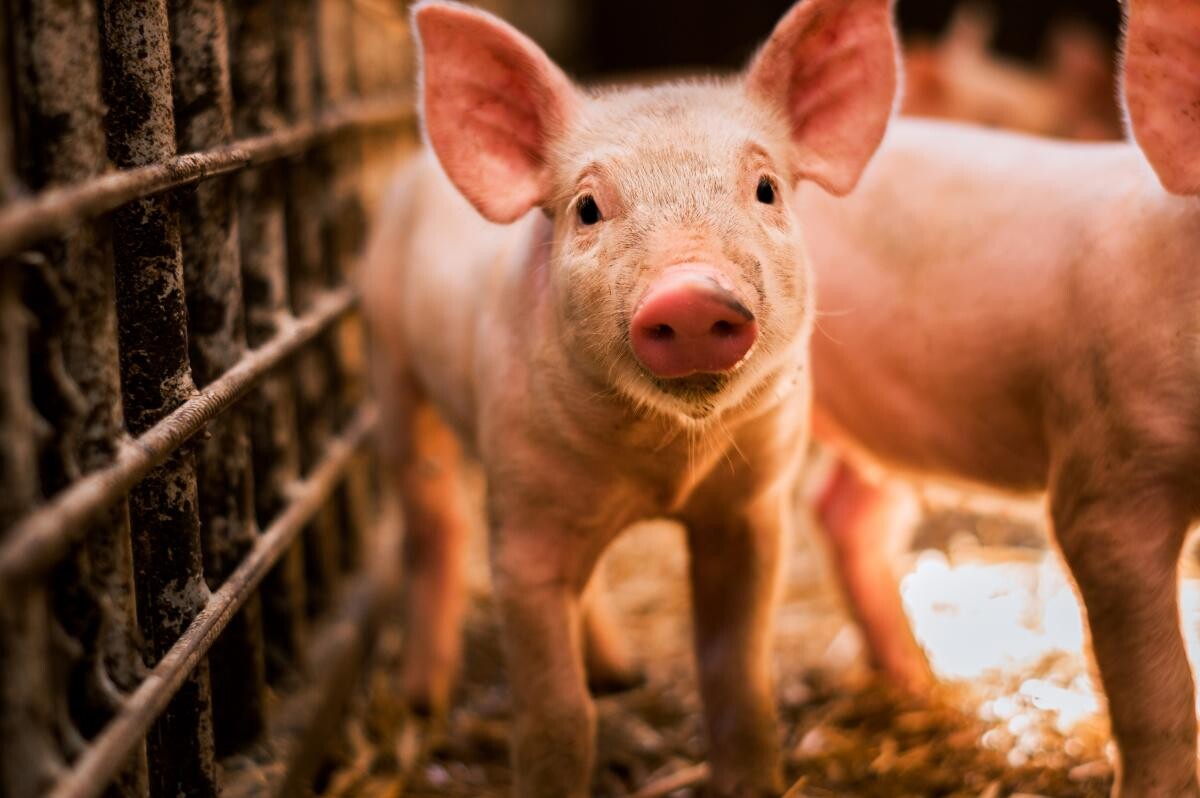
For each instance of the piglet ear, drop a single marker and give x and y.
(1162, 88)
(492, 103)
(830, 69)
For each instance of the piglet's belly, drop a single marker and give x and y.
(932, 432)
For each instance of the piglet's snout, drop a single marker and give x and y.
(689, 323)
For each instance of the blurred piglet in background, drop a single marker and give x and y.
(1023, 315)
(633, 344)
(959, 77)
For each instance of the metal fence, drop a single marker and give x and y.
(187, 584)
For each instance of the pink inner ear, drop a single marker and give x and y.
(492, 103)
(1162, 88)
(830, 66)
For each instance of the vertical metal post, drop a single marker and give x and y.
(345, 233)
(305, 214)
(77, 385)
(217, 340)
(8, 171)
(156, 378)
(28, 756)
(271, 410)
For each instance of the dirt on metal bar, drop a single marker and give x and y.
(89, 775)
(69, 286)
(271, 408)
(76, 370)
(38, 541)
(343, 241)
(29, 757)
(156, 379)
(306, 208)
(142, 323)
(217, 340)
(25, 222)
(9, 185)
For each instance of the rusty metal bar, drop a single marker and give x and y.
(38, 541)
(344, 237)
(75, 367)
(29, 757)
(9, 186)
(217, 340)
(25, 222)
(306, 213)
(191, 506)
(155, 380)
(93, 770)
(272, 407)
(18, 451)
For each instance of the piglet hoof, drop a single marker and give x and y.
(421, 705)
(610, 667)
(912, 677)
(426, 695)
(743, 792)
(751, 778)
(612, 681)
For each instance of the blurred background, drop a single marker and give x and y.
(1044, 66)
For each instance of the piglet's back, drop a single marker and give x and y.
(426, 277)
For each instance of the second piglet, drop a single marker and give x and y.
(636, 347)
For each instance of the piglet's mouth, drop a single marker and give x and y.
(693, 387)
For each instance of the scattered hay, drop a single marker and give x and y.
(843, 733)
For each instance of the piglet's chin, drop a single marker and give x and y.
(688, 400)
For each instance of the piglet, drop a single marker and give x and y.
(960, 77)
(635, 347)
(1024, 315)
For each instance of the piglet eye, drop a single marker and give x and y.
(589, 211)
(766, 191)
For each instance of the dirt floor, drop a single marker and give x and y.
(1017, 714)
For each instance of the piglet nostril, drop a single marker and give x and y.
(689, 323)
(723, 329)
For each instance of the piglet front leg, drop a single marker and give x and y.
(1122, 542)
(735, 557)
(538, 586)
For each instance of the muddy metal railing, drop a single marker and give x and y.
(185, 499)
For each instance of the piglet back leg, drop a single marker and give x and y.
(863, 523)
(1122, 544)
(435, 540)
(611, 668)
